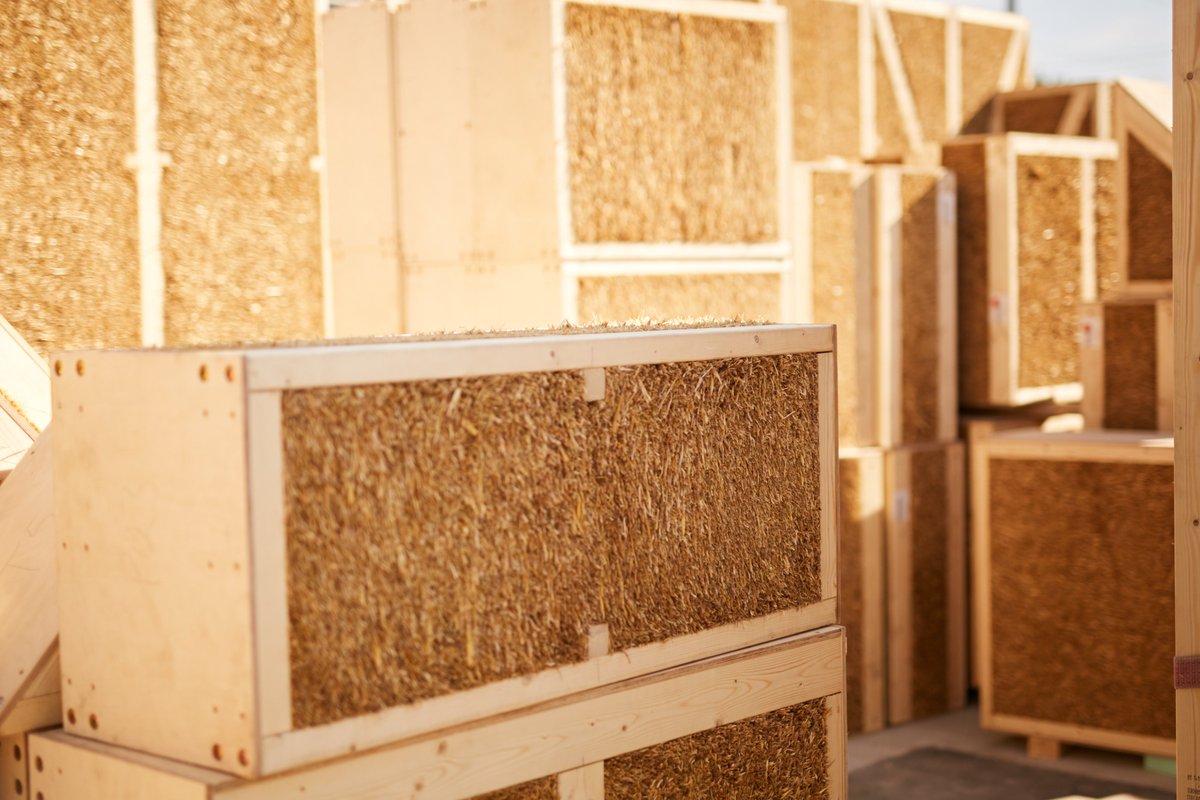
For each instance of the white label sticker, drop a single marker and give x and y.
(998, 309)
(1089, 332)
(901, 505)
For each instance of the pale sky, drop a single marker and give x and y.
(1084, 40)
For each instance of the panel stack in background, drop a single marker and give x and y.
(1073, 532)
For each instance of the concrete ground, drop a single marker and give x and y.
(960, 731)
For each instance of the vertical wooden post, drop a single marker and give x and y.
(148, 164)
(1187, 386)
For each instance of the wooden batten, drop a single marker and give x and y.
(861, 594)
(1029, 218)
(494, 754)
(1126, 353)
(24, 397)
(1050, 513)
(227, 592)
(927, 582)
(1142, 128)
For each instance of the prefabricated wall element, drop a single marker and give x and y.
(1142, 127)
(875, 254)
(24, 397)
(926, 580)
(748, 721)
(164, 191)
(1074, 585)
(29, 692)
(1076, 109)
(759, 291)
(1028, 254)
(862, 601)
(1126, 355)
(887, 79)
(532, 495)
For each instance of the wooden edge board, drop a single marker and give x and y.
(148, 166)
(947, 304)
(24, 382)
(1164, 350)
(634, 268)
(678, 252)
(828, 445)
(900, 675)
(1003, 352)
(1039, 144)
(514, 748)
(887, 367)
(1079, 734)
(294, 748)
(346, 365)
(1108, 445)
(957, 634)
(1133, 118)
(721, 9)
(1091, 363)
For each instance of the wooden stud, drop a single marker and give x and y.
(584, 783)
(14, 768)
(828, 433)
(1186, 279)
(899, 581)
(593, 384)
(1091, 363)
(890, 50)
(148, 163)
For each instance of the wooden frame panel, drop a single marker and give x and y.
(1097, 446)
(1004, 300)
(1093, 359)
(218, 412)
(503, 751)
(903, 618)
(1080, 100)
(1141, 112)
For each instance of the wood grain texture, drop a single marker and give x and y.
(1187, 385)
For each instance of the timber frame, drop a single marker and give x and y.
(504, 751)
(1003, 301)
(1082, 102)
(1046, 736)
(1141, 111)
(1093, 361)
(235, 399)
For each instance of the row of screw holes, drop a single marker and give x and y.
(58, 370)
(37, 763)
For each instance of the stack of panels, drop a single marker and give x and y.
(308, 590)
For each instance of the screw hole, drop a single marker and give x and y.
(71, 715)
(58, 366)
(37, 763)
(20, 787)
(17, 752)
(229, 374)
(243, 758)
(216, 752)
(79, 367)
(204, 372)
(95, 723)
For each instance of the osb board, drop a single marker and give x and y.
(931, 530)
(68, 205)
(781, 754)
(1082, 591)
(835, 285)
(1039, 114)
(549, 515)
(970, 165)
(751, 296)
(922, 42)
(541, 789)
(1049, 253)
(920, 335)
(1108, 268)
(1149, 221)
(671, 127)
(825, 79)
(850, 599)
(1131, 366)
(241, 225)
(983, 50)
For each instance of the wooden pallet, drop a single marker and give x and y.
(886, 80)
(210, 424)
(1127, 363)
(875, 254)
(579, 738)
(862, 598)
(1079, 109)
(926, 581)
(1029, 219)
(506, 223)
(1073, 560)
